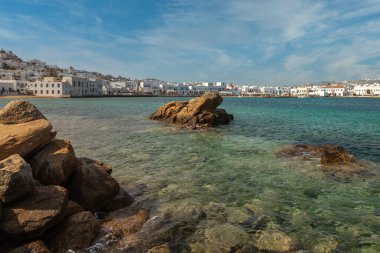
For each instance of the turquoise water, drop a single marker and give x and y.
(234, 167)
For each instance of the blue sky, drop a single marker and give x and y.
(244, 41)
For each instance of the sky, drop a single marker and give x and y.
(282, 42)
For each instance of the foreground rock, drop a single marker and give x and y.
(24, 138)
(54, 163)
(84, 160)
(29, 217)
(19, 111)
(199, 112)
(92, 187)
(16, 179)
(33, 247)
(336, 157)
(75, 233)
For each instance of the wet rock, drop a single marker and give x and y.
(74, 233)
(225, 238)
(32, 247)
(325, 245)
(199, 112)
(71, 208)
(54, 163)
(273, 240)
(106, 167)
(92, 187)
(121, 200)
(24, 138)
(334, 157)
(16, 179)
(164, 248)
(27, 218)
(19, 111)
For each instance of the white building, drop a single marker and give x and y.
(367, 89)
(333, 90)
(81, 87)
(8, 87)
(50, 88)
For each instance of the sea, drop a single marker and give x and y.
(232, 173)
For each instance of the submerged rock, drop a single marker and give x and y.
(54, 163)
(74, 233)
(333, 156)
(225, 238)
(16, 179)
(274, 240)
(198, 112)
(325, 245)
(19, 111)
(30, 216)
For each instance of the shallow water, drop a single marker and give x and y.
(232, 171)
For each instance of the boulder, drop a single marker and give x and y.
(199, 112)
(19, 111)
(24, 138)
(71, 208)
(54, 163)
(274, 241)
(106, 167)
(16, 179)
(335, 155)
(121, 200)
(32, 247)
(74, 233)
(27, 218)
(225, 238)
(92, 187)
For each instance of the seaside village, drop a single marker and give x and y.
(36, 78)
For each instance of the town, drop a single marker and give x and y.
(36, 78)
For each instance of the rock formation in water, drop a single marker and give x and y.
(331, 156)
(200, 112)
(48, 197)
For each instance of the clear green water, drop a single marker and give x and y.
(235, 166)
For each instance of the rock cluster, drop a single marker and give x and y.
(200, 112)
(332, 156)
(48, 196)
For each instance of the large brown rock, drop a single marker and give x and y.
(24, 138)
(199, 112)
(106, 167)
(19, 111)
(16, 179)
(121, 200)
(92, 187)
(54, 163)
(32, 247)
(71, 208)
(27, 218)
(74, 233)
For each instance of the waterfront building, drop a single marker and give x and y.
(50, 87)
(367, 89)
(13, 87)
(333, 90)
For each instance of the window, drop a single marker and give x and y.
(52, 85)
(47, 85)
(35, 85)
(58, 85)
(41, 85)
(41, 91)
(35, 92)
(52, 92)
(58, 91)
(47, 92)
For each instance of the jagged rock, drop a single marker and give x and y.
(24, 138)
(54, 163)
(273, 240)
(199, 112)
(27, 218)
(121, 200)
(74, 233)
(71, 208)
(32, 247)
(225, 238)
(92, 187)
(19, 111)
(16, 179)
(106, 167)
